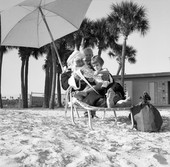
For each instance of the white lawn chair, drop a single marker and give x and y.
(73, 103)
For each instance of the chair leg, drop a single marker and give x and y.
(75, 109)
(68, 93)
(65, 109)
(132, 120)
(115, 117)
(72, 114)
(66, 106)
(89, 119)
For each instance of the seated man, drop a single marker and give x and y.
(69, 76)
(88, 53)
(74, 63)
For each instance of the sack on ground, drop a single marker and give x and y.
(146, 117)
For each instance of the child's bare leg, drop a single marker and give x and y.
(110, 95)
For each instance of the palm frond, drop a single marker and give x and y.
(129, 17)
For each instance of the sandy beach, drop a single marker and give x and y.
(45, 138)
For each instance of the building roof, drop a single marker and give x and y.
(146, 75)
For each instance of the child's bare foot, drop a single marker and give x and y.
(110, 95)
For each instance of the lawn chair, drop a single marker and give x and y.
(74, 104)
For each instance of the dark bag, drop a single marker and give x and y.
(146, 117)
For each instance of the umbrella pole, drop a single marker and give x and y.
(55, 48)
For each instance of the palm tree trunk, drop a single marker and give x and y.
(58, 91)
(52, 97)
(82, 43)
(50, 76)
(22, 85)
(1, 59)
(123, 62)
(48, 79)
(99, 52)
(46, 88)
(26, 81)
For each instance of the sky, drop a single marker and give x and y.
(153, 50)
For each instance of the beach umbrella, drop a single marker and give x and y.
(35, 23)
(5, 4)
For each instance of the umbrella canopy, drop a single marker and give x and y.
(5, 4)
(35, 23)
(23, 24)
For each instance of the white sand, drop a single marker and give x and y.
(45, 138)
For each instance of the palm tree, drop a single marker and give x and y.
(53, 85)
(73, 40)
(82, 37)
(86, 32)
(91, 34)
(52, 67)
(100, 33)
(48, 77)
(64, 52)
(129, 18)
(3, 50)
(129, 55)
(25, 53)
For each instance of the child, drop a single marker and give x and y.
(101, 78)
(101, 75)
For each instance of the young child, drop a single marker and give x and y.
(101, 75)
(101, 78)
